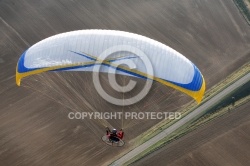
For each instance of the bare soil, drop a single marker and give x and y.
(34, 124)
(224, 141)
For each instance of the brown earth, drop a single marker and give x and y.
(34, 124)
(224, 141)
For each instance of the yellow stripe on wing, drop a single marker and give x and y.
(197, 95)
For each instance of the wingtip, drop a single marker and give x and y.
(201, 93)
(18, 79)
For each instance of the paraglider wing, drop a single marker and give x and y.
(79, 51)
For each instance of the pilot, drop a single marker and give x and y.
(113, 133)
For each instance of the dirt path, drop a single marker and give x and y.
(223, 141)
(197, 112)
